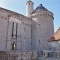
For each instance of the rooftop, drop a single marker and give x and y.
(56, 36)
(41, 7)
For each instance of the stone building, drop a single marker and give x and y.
(54, 45)
(54, 41)
(42, 26)
(25, 36)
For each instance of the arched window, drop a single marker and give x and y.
(13, 45)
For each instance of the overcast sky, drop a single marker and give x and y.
(20, 7)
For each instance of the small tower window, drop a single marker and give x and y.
(29, 3)
(13, 45)
(39, 41)
(38, 25)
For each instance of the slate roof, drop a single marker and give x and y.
(40, 7)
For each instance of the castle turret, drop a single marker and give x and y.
(42, 27)
(29, 8)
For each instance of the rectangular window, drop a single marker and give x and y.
(16, 28)
(12, 29)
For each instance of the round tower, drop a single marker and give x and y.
(29, 8)
(42, 27)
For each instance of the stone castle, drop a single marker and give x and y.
(25, 37)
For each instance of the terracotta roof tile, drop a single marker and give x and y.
(56, 36)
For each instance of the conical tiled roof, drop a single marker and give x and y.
(40, 7)
(56, 36)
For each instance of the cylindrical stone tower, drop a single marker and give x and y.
(29, 8)
(42, 28)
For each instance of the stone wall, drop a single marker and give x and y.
(3, 55)
(17, 55)
(14, 55)
(23, 30)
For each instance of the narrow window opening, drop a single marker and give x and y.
(16, 28)
(39, 41)
(13, 45)
(38, 25)
(12, 29)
